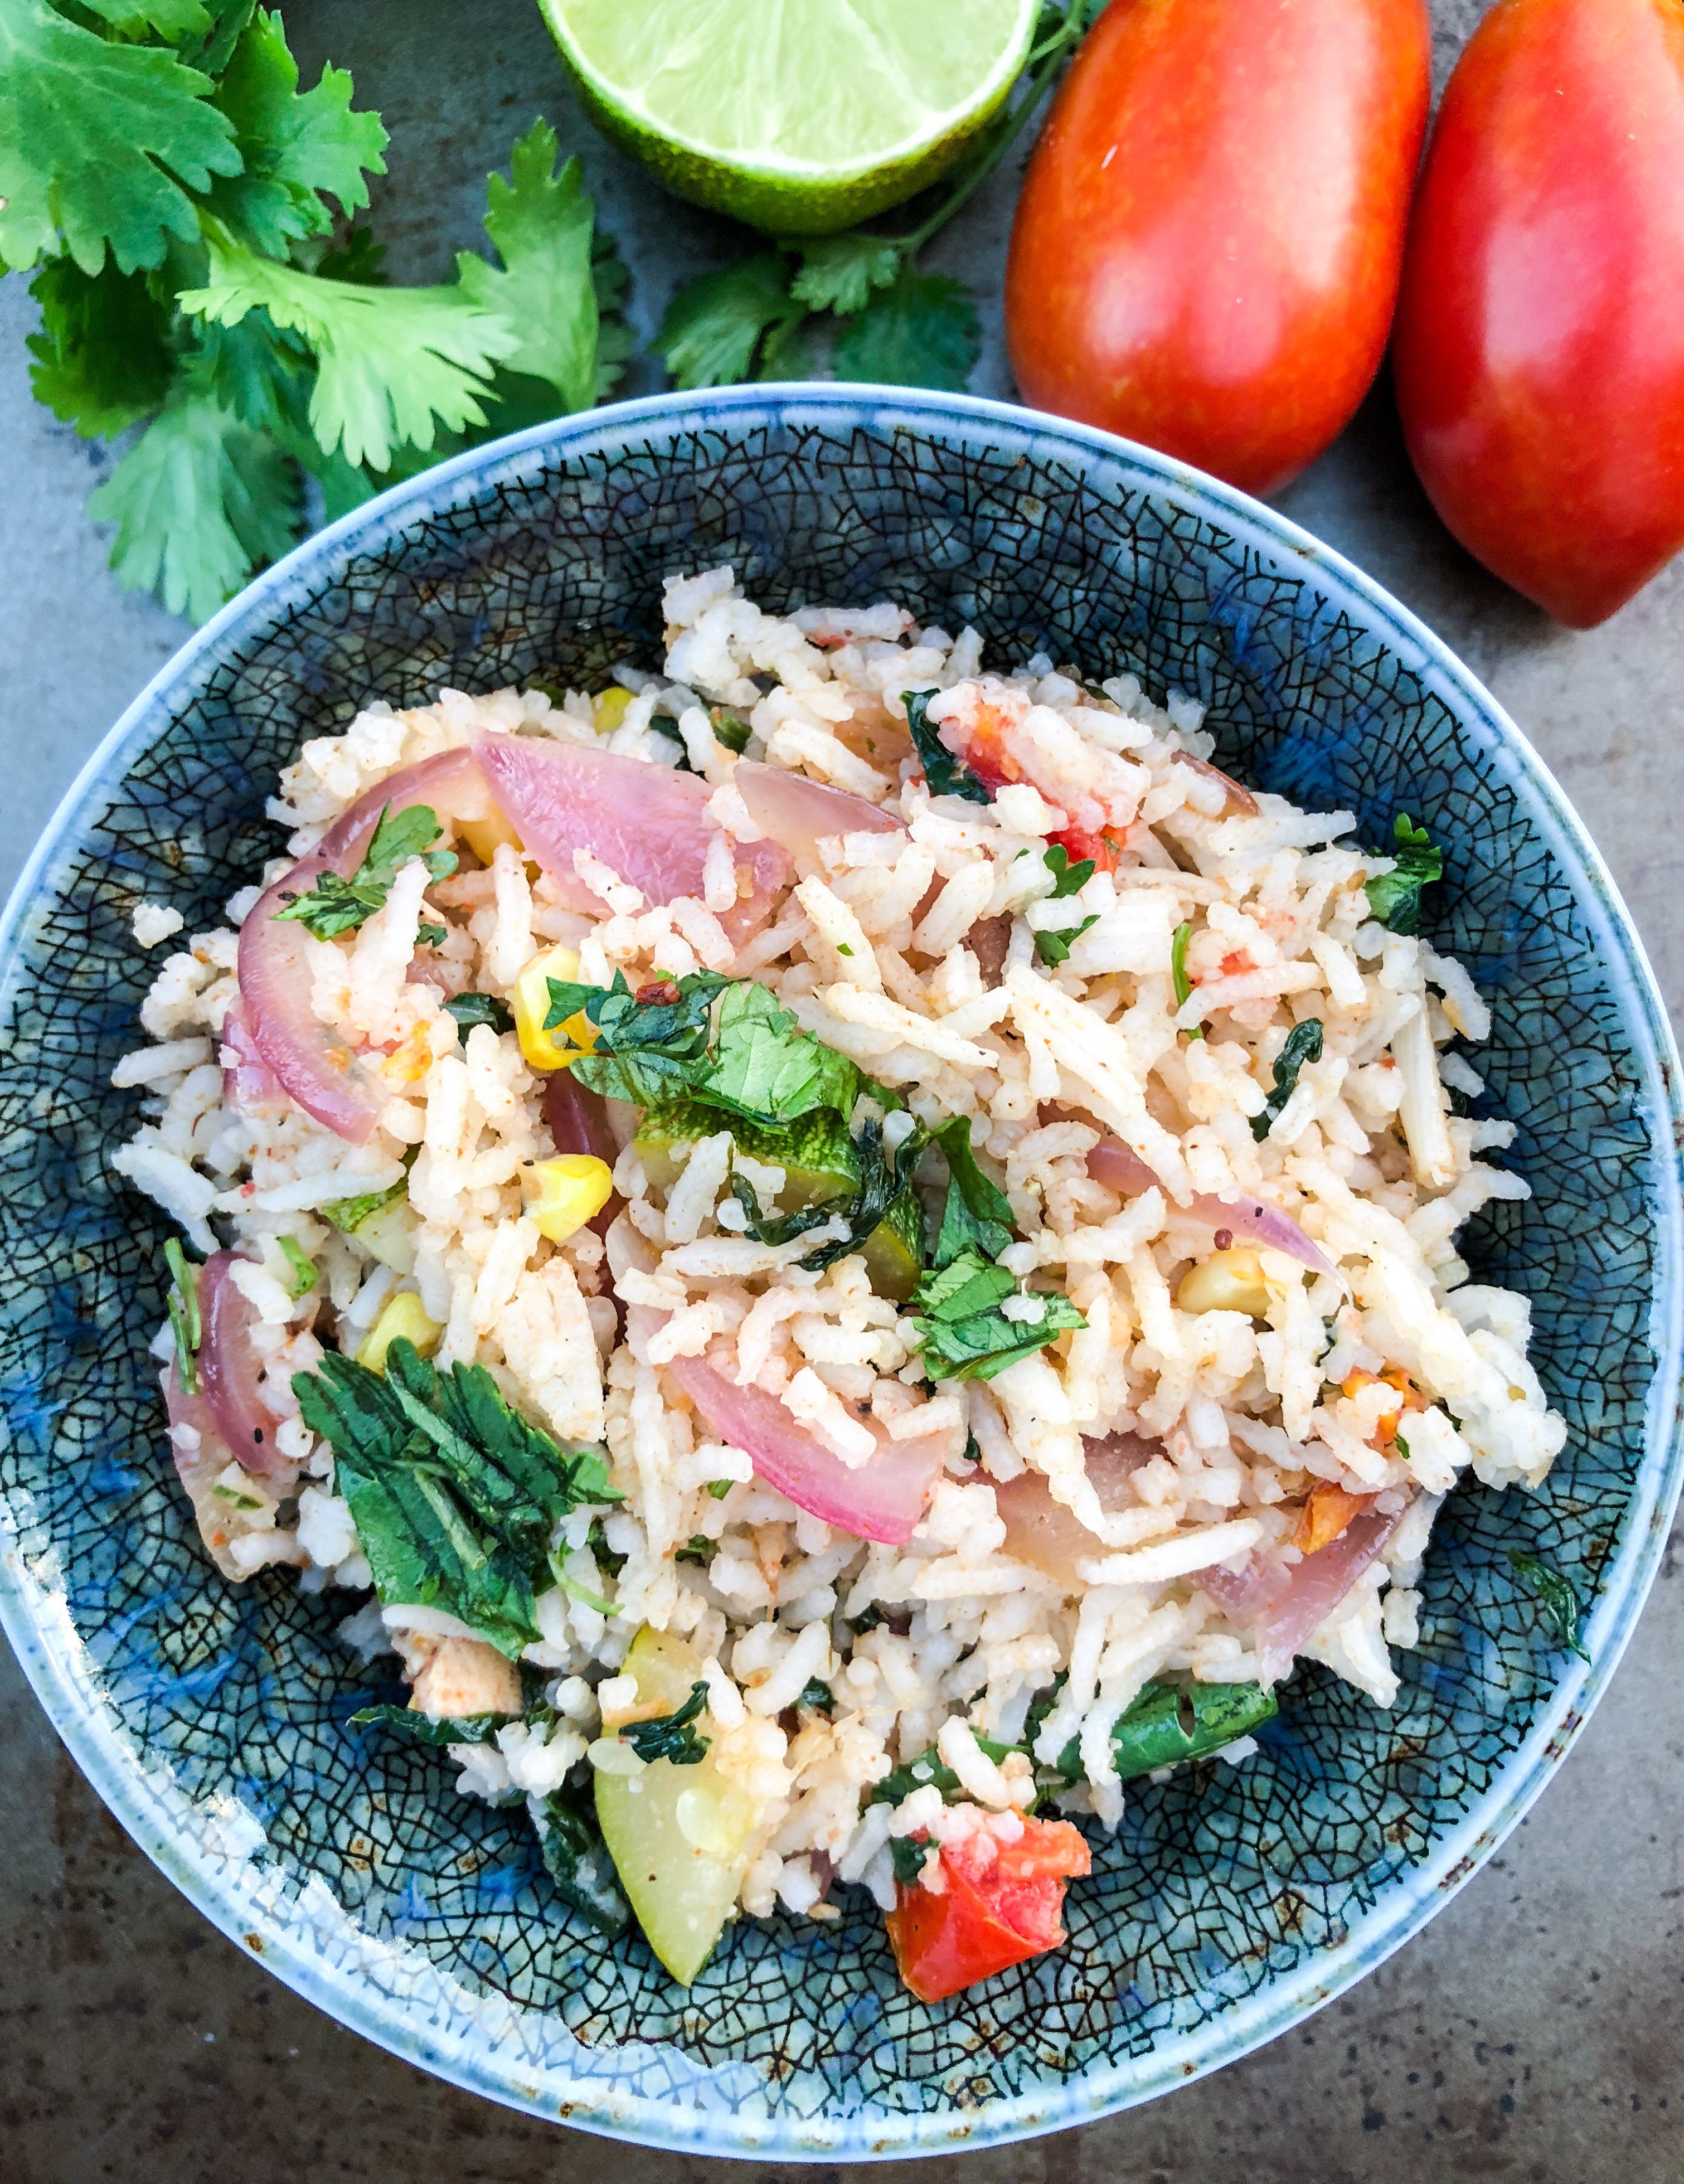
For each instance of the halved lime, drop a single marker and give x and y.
(798, 116)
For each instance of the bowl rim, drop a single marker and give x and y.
(203, 1852)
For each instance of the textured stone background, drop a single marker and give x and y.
(1530, 2033)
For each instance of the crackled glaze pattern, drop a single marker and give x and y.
(1231, 1900)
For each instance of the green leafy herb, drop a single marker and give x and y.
(182, 188)
(886, 1185)
(1558, 1603)
(100, 144)
(1303, 1044)
(908, 1854)
(698, 1548)
(929, 1767)
(577, 1858)
(1053, 947)
(305, 1276)
(920, 332)
(335, 905)
(976, 1214)
(425, 1729)
(1178, 971)
(454, 1493)
(184, 1315)
(1067, 879)
(597, 1540)
(1395, 897)
(472, 1009)
(719, 1488)
(961, 1331)
(729, 729)
(861, 290)
(669, 1735)
(817, 1695)
(946, 776)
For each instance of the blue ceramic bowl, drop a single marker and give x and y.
(212, 1720)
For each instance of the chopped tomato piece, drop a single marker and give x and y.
(999, 1904)
(1077, 843)
(984, 751)
(1324, 1516)
(1395, 1376)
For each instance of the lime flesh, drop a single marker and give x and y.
(798, 116)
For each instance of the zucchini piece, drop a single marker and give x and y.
(678, 1835)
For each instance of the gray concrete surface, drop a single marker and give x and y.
(1531, 2035)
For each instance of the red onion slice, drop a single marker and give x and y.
(312, 1063)
(1282, 1608)
(649, 823)
(882, 1500)
(1239, 801)
(1044, 1533)
(799, 814)
(247, 1081)
(1121, 1169)
(229, 1369)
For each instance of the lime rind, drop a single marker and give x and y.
(738, 104)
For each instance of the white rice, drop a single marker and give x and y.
(870, 950)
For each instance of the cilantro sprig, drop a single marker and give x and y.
(454, 1493)
(1067, 879)
(335, 905)
(1395, 897)
(178, 192)
(860, 294)
(961, 1326)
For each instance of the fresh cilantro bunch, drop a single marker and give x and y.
(860, 295)
(335, 905)
(180, 196)
(963, 1331)
(453, 1492)
(1395, 897)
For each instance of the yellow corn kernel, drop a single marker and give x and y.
(406, 1315)
(566, 1192)
(484, 836)
(549, 1049)
(1226, 1281)
(609, 709)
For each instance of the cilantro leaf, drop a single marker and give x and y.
(920, 332)
(976, 1215)
(334, 905)
(99, 144)
(392, 365)
(818, 1695)
(453, 1493)
(1067, 879)
(225, 26)
(357, 257)
(962, 1330)
(1303, 1044)
(541, 223)
(715, 325)
(946, 775)
(669, 1735)
(929, 1767)
(101, 358)
(909, 1855)
(839, 272)
(570, 1839)
(1053, 947)
(472, 1009)
(1558, 1603)
(296, 147)
(729, 729)
(766, 1069)
(200, 501)
(1395, 897)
